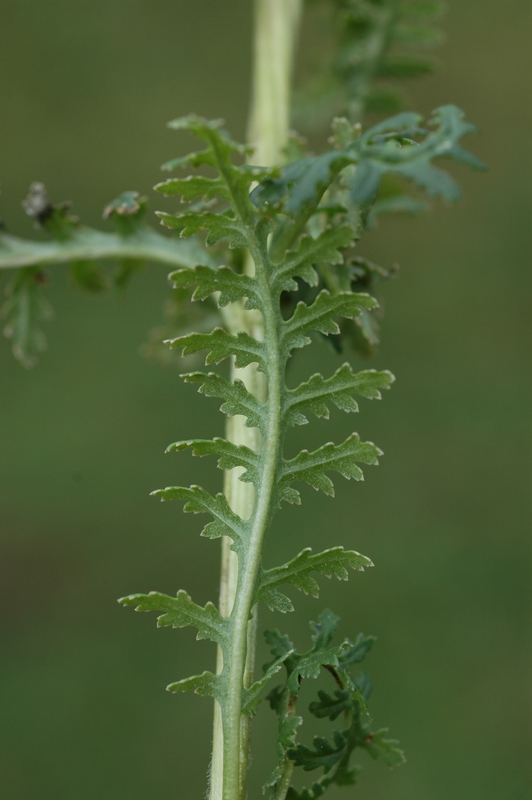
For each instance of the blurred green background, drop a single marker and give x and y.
(86, 89)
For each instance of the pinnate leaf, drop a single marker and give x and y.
(342, 458)
(222, 345)
(198, 501)
(231, 455)
(251, 697)
(320, 316)
(194, 186)
(231, 285)
(333, 562)
(318, 393)
(207, 684)
(180, 611)
(237, 398)
(311, 252)
(379, 746)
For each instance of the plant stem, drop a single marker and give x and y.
(276, 23)
(87, 244)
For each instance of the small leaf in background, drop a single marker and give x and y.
(127, 268)
(24, 311)
(88, 275)
(127, 212)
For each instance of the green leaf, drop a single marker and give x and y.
(207, 684)
(198, 501)
(238, 401)
(324, 629)
(324, 755)
(342, 458)
(320, 316)
(88, 275)
(194, 186)
(127, 211)
(417, 35)
(380, 747)
(403, 66)
(311, 252)
(333, 562)
(222, 345)
(318, 393)
(251, 697)
(181, 611)
(310, 664)
(356, 651)
(24, 310)
(398, 153)
(303, 182)
(280, 644)
(218, 226)
(223, 279)
(231, 455)
(331, 707)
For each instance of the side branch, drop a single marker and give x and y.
(86, 244)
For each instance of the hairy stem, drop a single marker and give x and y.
(91, 245)
(276, 23)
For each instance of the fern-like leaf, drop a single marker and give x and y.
(224, 280)
(343, 458)
(180, 611)
(237, 399)
(326, 248)
(318, 393)
(320, 316)
(207, 684)
(231, 455)
(198, 501)
(333, 562)
(222, 345)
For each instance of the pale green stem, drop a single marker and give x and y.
(276, 24)
(87, 244)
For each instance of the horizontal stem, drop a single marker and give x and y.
(87, 244)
